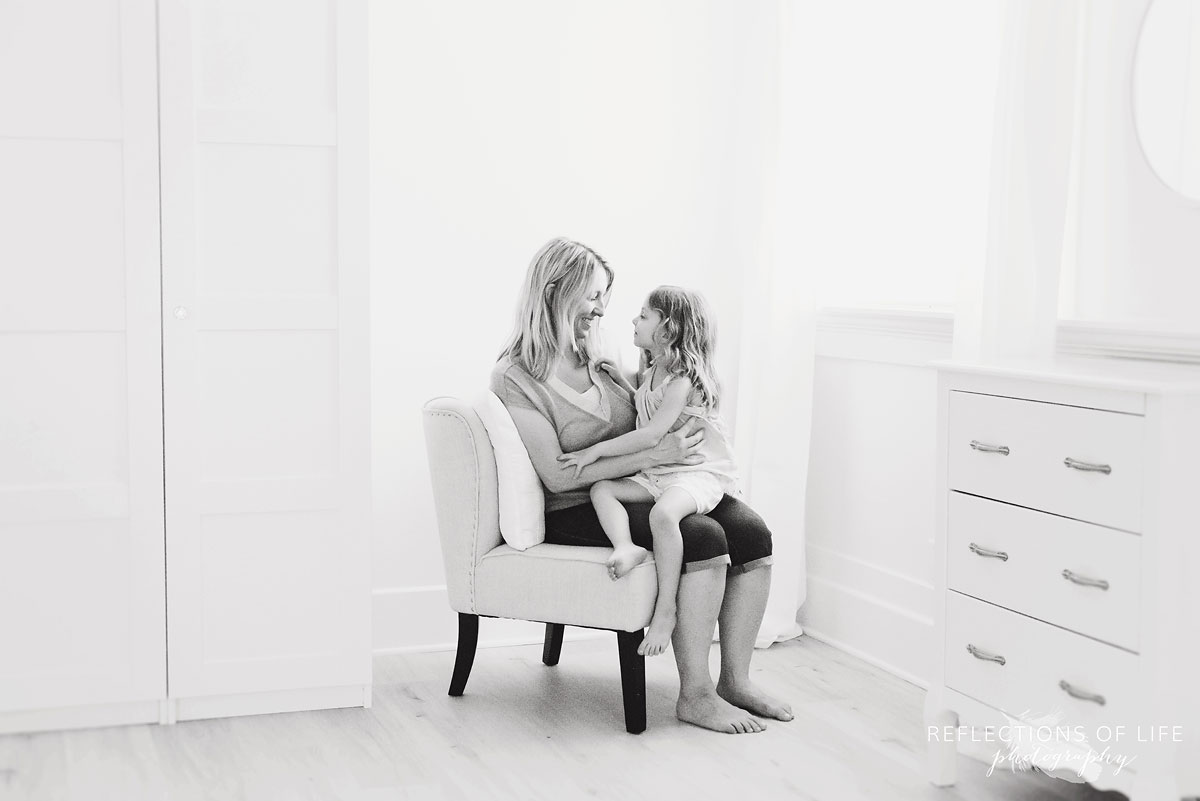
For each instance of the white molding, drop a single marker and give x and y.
(930, 324)
(916, 336)
(906, 595)
(869, 611)
(870, 659)
(912, 337)
(1123, 341)
(302, 700)
(88, 716)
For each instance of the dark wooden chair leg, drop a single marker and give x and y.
(553, 646)
(633, 680)
(468, 637)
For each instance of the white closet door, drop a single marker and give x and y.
(81, 489)
(265, 348)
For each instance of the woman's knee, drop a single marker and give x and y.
(747, 535)
(703, 539)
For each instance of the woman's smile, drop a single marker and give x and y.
(591, 305)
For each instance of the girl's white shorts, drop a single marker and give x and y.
(705, 488)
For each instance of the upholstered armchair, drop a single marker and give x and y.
(553, 584)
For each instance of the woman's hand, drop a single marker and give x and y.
(578, 460)
(681, 446)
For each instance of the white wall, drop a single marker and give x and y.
(890, 209)
(641, 129)
(871, 495)
(894, 103)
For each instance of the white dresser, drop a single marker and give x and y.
(1065, 546)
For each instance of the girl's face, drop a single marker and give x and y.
(590, 307)
(645, 326)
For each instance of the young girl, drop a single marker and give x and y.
(676, 332)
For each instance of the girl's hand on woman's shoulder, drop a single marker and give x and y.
(610, 367)
(681, 446)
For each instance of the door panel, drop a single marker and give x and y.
(82, 601)
(266, 386)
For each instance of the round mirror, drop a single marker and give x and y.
(1166, 93)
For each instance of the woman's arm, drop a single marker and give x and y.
(541, 441)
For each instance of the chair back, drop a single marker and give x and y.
(462, 467)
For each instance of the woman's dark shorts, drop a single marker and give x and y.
(732, 534)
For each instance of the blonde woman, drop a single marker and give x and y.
(562, 401)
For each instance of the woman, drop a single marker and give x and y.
(561, 401)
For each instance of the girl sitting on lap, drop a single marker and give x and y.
(677, 333)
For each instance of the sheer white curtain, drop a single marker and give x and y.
(775, 379)
(1009, 308)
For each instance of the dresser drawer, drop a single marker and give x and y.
(1044, 667)
(1016, 558)
(1018, 451)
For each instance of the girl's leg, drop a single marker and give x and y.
(606, 498)
(673, 506)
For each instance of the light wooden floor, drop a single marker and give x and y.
(526, 731)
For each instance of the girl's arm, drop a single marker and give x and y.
(541, 441)
(675, 397)
(610, 367)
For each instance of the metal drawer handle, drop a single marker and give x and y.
(1001, 555)
(983, 447)
(978, 654)
(1087, 467)
(1080, 694)
(1084, 580)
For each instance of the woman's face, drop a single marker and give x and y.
(590, 307)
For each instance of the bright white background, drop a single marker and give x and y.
(636, 128)
(648, 131)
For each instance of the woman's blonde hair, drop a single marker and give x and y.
(557, 278)
(690, 334)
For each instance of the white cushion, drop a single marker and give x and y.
(522, 500)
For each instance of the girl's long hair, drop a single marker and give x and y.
(691, 339)
(557, 278)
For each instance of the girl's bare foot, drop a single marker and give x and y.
(658, 636)
(752, 699)
(624, 559)
(708, 711)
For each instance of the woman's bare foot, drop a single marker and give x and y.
(662, 626)
(754, 700)
(624, 559)
(711, 712)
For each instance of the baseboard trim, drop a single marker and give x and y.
(875, 629)
(891, 589)
(90, 716)
(264, 703)
(869, 658)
